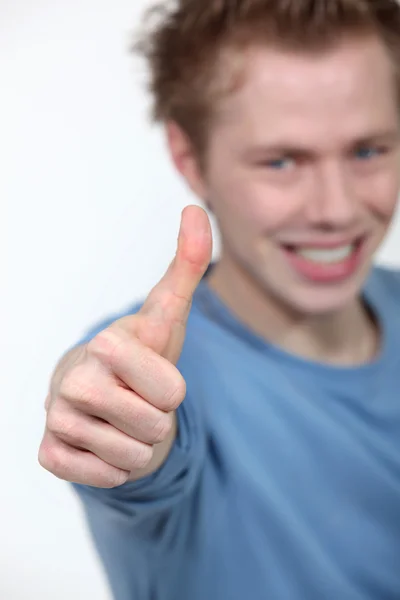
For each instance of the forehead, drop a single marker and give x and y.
(352, 86)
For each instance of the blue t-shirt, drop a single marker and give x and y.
(284, 482)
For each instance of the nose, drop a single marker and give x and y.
(332, 203)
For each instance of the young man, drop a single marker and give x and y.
(237, 435)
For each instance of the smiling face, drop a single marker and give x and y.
(303, 172)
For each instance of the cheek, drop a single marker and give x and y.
(254, 205)
(383, 196)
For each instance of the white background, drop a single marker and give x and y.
(92, 210)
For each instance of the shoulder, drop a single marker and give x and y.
(383, 293)
(384, 282)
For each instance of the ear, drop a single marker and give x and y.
(185, 159)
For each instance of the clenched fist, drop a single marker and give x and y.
(111, 403)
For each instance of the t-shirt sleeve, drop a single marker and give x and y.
(173, 481)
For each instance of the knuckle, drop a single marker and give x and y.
(106, 346)
(142, 456)
(50, 458)
(66, 427)
(42, 457)
(161, 429)
(71, 384)
(179, 307)
(57, 423)
(176, 394)
(79, 390)
(114, 478)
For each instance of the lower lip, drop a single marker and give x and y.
(327, 273)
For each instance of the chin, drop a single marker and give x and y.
(313, 300)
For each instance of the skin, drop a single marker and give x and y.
(111, 406)
(307, 150)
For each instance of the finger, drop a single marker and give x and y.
(119, 407)
(141, 369)
(114, 447)
(170, 300)
(78, 466)
(138, 418)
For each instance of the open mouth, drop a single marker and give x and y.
(326, 256)
(326, 264)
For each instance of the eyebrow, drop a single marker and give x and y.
(297, 150)
(390, 135)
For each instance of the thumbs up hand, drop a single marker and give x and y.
(111, 403)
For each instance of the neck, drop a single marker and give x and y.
(346, 338)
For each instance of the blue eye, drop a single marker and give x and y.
(368, 153)
(279, 164)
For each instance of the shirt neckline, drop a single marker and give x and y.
(214, 308)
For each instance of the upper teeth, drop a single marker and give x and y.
(332, 255)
